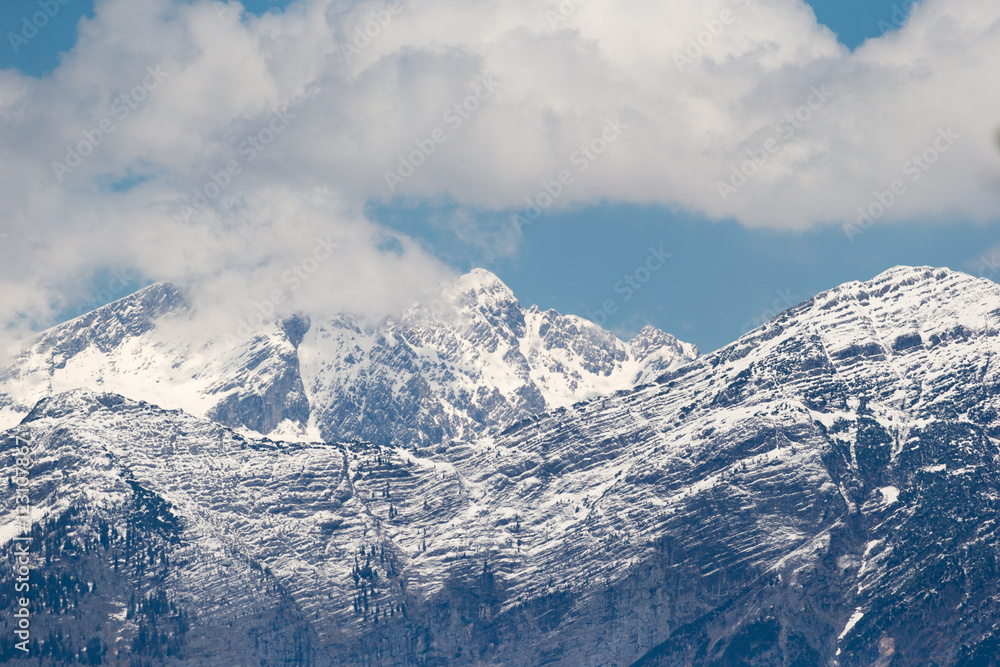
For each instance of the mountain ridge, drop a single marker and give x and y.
(818, 492)
(417, 378)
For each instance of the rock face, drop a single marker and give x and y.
(470, 363)
(824, 491)
(144, 346)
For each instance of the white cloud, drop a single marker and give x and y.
(689, 121)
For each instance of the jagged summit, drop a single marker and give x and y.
(467, 362)
(903, 274)
(78, 401)
(470, 364)
(482, 280)
(109, 325)
(891, 309)
(478, 290)
(651, 340)
(910, 286)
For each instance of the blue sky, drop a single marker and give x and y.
(722, 278)
(729, 268)
(40, 55)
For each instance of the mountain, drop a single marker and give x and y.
(823, 491)
(469, 363)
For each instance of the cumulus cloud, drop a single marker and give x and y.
(219, 145)
(699, 88)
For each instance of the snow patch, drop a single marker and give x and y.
(890, 494)
(851, 622)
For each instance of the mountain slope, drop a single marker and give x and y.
(823, 486)
(469, 363)
(822, 491)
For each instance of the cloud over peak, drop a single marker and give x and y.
(742, 109)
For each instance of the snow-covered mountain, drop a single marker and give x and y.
(823, 491)
(470, 362)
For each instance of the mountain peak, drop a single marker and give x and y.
(464, 364)
(479, 283)
(652, 340)
(924, 272)
(110, 325)
(154, 296)
(905, 288)
(904, 276)
(480, 276)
